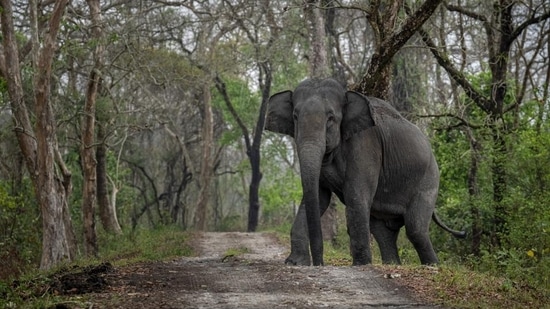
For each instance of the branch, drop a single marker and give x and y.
(533, 20)
(490, 31)
(220, 85)
(186, 156)
(411, 25)
(462, 10)
(456, 75)
(462, 121)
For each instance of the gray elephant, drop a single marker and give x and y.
(380, 166)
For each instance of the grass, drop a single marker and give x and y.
(450, 285)
(34, 289)
(455, 286)
(144, 245)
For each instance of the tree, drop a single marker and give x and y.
(50, 177)
(388, 40)
(262, 61)
(87, 153)
(491, 96)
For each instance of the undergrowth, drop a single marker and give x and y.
(40, 289)
(452, 284)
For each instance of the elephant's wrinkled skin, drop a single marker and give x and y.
(380, 165)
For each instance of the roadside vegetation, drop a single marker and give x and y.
(72, 283)
(468, 284)
(158, 110)
(450, 284)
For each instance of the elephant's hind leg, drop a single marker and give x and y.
(417, 223)
(386, 237)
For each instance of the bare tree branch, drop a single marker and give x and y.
(455, 74)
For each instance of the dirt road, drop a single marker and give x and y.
(246, 270)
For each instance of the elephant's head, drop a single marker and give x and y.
(319, 114)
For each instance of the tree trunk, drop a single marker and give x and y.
(499, 187)
(206, 162)
(265, 77)
(51, 191)
(388, 41)
(319, 68)
(318, 62)
(329, 222)
(253, 190)
(107, 210)
(39, 146)
(87, 154)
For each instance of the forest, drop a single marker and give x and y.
(124, 115)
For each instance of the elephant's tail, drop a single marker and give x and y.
(457, 234)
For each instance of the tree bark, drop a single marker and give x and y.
(318, 61)
(51, 180)
(206, 162)
(319, 68)
(107, 210)
(254, 153)
(388, 41)
(87, 153)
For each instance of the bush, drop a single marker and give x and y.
(20, 231)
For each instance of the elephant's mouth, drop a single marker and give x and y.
(328, 158)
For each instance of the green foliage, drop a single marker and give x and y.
(288, 76)
(3, 86)
(231, 223)
(523, 252)
(455, 286)
(280, 194)
(162, 243)
(32, 290)
(245, 103)
(235, 252)
(20, 233)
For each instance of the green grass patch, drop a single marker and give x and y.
(144, 245)
(451, 285)
(38, 289)
(456, 286)
(232, 253)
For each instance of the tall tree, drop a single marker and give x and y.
(206, 169)
(388, 40)
(318, 54)
(503, 25)
(87, 153)
(50, 177)
(262, 57)
(319, 26)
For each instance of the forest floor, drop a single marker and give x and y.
(243, 270)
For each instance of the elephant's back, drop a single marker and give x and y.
(408, 163)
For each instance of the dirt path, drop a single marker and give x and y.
(246, 270)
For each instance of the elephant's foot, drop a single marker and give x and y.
(298, 259)
(359, 262)
(361, 257)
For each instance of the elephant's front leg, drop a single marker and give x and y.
(357, 217)
(359, 199)
(299, 240)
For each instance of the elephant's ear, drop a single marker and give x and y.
(279, 113)
(357, 114)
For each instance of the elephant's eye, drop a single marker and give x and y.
(295, 116)
(330, 119)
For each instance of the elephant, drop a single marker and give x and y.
(380, 165)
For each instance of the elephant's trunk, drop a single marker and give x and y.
(311, 155)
